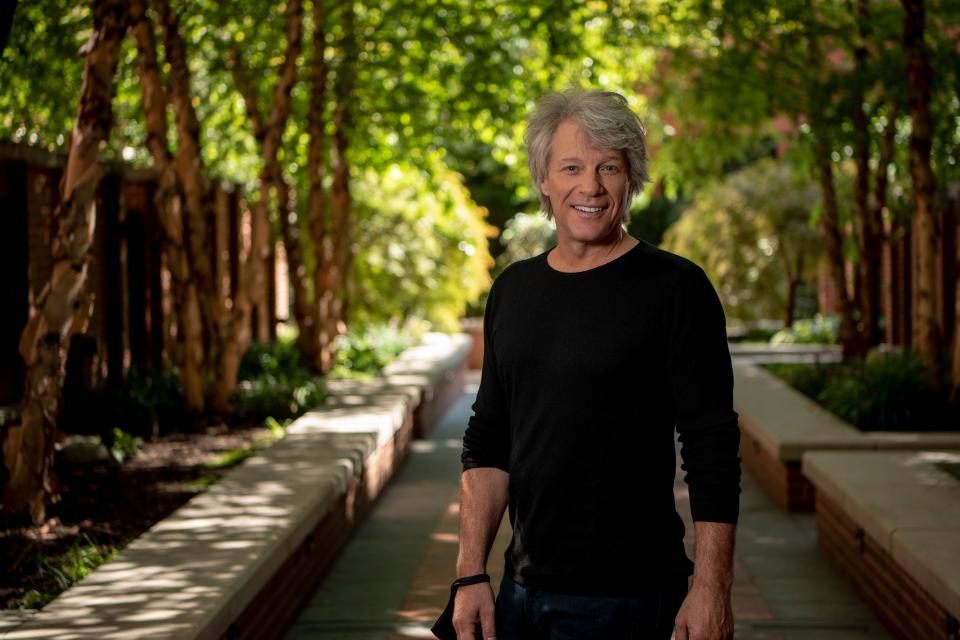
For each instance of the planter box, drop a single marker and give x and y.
(240, 559)
(890, 522)
(779, 424)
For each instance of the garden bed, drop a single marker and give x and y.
(105, 505)
(779, 424)
(887, 391)
(238, 560)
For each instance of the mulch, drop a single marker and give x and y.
(111, 504)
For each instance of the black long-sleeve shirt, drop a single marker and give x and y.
(585, 376)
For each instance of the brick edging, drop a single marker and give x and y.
(903, 606)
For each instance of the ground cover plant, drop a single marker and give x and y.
(886, 391)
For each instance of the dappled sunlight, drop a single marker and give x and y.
(431, 446)
(197, 561)
(412, 631)
(451, 538)
(929, 457)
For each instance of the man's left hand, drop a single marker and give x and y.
(706, 614)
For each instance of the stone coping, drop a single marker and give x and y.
(745, 348)
(906, 504)
(193, 573)
(787, 423)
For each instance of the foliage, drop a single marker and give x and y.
(422, 248)
(524, 236)
(747, 232)
(144, 405)
(54, 576)
(808, 379)
(231, 458)
(364, 353)
(820, 329)
(274, 383)
(124, 445)
(885, 391)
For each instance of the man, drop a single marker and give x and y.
(594, 352)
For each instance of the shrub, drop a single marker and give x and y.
(821, 329)
(808, 379)
(885, 391)
(365, 352)
(143, 405)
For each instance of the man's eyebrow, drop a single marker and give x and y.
(604, 159)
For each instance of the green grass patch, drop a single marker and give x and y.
(230, 458)
(203, 482)
(55, 575)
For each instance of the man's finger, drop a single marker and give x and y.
(489, 628)
(465, 632)
(680, 631)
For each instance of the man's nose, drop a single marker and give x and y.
(591, 184)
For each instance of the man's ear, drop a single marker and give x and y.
(543, 188)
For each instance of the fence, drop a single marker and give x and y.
(132, 321)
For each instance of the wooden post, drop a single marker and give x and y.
(112, 303)
(13, 264)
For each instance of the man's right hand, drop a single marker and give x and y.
(474, 603)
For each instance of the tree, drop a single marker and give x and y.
(60, 308)
(752, 234)
(927, 339)
(269, 133)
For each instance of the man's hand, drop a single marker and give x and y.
(706, 614)
(474, 602)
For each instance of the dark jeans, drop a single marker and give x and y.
(529, 614)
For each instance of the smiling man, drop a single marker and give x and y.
(595, 352)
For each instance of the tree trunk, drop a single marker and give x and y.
(926, 331)
(829, 225)
(830, 218)
(317, 341)
(308, 316)
(794, 274)
(868, 225)
(28, 449)
(271, 136)
(169, 204)
(198, 198)
(302, 308)
(955, 370)
(334, 313)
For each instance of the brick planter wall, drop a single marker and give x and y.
(899, 602)
(278, 604)
(784, 482)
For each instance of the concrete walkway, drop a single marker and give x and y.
(393, 577)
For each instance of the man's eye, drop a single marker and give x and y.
(610, 168)
(570, 168)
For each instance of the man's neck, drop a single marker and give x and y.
(571, 256)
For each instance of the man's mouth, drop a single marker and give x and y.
(584, 209)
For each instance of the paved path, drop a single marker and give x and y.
(393, 577)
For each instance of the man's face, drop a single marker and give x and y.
(586, 186)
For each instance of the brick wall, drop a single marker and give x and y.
(277, 605)
(783, 481)
(899, 602)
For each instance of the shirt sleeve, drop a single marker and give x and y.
(486, 442)
(701, 376)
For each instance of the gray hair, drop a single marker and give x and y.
(607, 121)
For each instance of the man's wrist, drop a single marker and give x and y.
(722, 582)
(470, 570)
